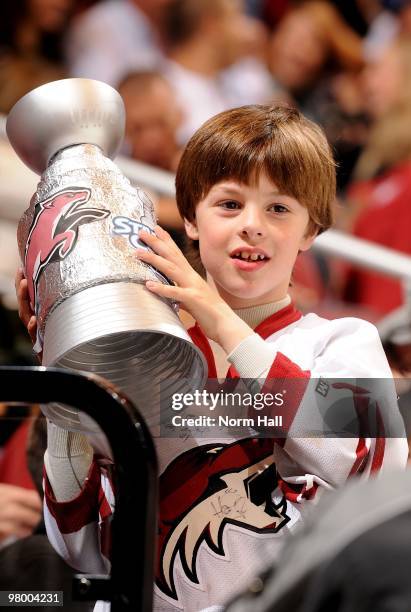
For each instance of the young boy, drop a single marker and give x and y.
(255, 185)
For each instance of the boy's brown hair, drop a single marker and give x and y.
(242, 142)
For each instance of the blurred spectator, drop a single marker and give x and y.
(403, 9)
(310, 47)
(345, 122)
(248, 80)
(20, 508)
(204, 38)
(273, 11)
(153, 117)
(306, 42)
(353, 12)
(27, 559)
(392, 20)
(254, 7)
(115, 37)
(30, 46)
(20, 512)
(315, 57)
(383, 29)
(380, 198)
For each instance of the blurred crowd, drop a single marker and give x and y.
(345, 64)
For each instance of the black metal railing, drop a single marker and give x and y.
(133, 528)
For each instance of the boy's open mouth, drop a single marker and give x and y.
(249, 259)
(245, 254)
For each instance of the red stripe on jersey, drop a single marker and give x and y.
(72, 515)
(104, 506)
(287, 378)
(361, 399)
(297, 492)
(361, 404)
(379, 444)
(361, 455)
(272, 324)
(277, 321)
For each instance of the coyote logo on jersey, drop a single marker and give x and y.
(204, 490)
(54, 231)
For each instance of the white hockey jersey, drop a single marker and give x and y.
(226, 504)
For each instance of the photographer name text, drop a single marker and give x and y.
(226, 421)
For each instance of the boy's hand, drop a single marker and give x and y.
(25, 312)
(212, 313)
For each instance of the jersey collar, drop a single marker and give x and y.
(279, 320)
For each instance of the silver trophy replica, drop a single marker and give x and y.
(77, 241)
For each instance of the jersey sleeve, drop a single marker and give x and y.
(78, 528)
(340, 412)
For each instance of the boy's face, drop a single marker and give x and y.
(234, 224)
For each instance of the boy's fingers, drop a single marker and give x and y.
(170, 269)
(25, 311)
(162, 242)
(18, 278)
(32, 328)
(155, 243)
(168, 291)
(21, 289)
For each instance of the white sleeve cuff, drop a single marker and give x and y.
(253, 357)
(62, 443)
(67, 461)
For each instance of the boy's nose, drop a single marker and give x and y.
(251, 227)
(251, 233)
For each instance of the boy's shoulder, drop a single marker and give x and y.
(344, 347)
(340, 326)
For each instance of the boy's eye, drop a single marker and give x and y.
(279, 208)
(230, 205)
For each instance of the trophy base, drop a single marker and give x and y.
(129, 336)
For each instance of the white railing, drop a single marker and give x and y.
(332, 243)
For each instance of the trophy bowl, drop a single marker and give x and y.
(63, 113)
(77, 242)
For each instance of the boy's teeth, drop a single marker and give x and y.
(252, 256)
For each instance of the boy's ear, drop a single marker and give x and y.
(308, 238)
(191, 229)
